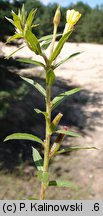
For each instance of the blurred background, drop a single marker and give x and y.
(83, 112)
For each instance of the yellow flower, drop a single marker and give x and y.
(72, 18)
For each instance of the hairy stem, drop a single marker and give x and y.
(47, 138)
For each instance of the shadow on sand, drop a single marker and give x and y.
(18, 100)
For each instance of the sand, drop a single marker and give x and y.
(85, 70)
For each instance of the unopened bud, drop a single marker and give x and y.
(55, 122)
(55, 147)
(57, 16)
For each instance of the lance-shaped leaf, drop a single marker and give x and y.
(17, 21)
(36, 85)
(43, 176)
(41, 112)
(37, 159)
(10, 20)
(23, 136)
(33, 42)
(61, 97)
(66, 59)
(59, 46)
(46, 40)
(45, 44)
(67, 132)
(30, 61)
(48, 37)
(34, 25)
(15, 36)
(7, 57)
(75, 148)
(63, 184)
(16, 24)
(22, 15)
(30, 18)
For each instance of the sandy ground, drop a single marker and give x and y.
(85, 70)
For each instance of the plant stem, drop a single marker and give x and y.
(48, 120)
(54, 38)
(47, 137)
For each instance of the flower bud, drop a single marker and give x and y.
(57, 16)
(55, 122)
(56, 145)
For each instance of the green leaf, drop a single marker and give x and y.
(35, 25)
(10, 20)
(43, 176)
(29, 61)
(66, 59)
(15, 36)
(61, 97)
(33, 41)
(45, 44)
(17, 21)
(22, 14)
(46, 40)
(41, 112)
(67, 132)
(59, 46)
(7, 57)
(50, 77)
(48, 37)
(23, 136)
(37, 159)
(30, 18)
(76, 148)
(63, 184)
(36, 85)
